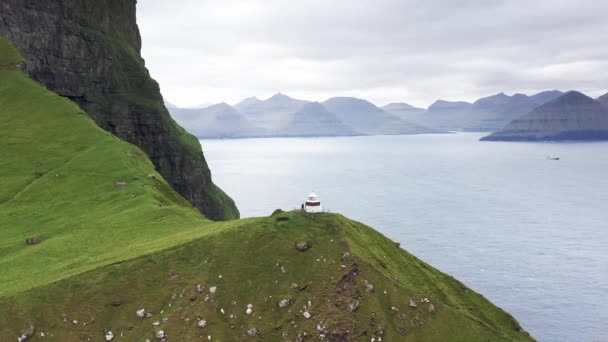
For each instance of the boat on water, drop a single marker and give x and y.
(552, 158)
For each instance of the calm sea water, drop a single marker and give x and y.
(528, 233)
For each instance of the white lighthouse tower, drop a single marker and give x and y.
(312, 204)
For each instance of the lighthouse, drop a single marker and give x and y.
(312, 204)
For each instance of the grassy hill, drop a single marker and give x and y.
(115, 238)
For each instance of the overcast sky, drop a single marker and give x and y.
(382, 50)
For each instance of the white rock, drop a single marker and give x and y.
(285, 303)
(157, 323)
(109, 336)
(160, 334)
(369, 287)
(249, 311)
(413, 304)
(306, 315)
(212, 289)
(202, 323)
(141, 313)
(200, 288)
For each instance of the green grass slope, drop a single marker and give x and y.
(59, 177)
(114, 241)
(258, 264)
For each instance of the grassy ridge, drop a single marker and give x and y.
(58, 181)
(257, 263)
(116, 238)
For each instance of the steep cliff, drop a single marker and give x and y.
(89, 51)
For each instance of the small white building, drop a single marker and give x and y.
(312, 204)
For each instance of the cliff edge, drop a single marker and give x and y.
(90, 52)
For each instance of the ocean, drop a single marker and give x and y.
(529, 233)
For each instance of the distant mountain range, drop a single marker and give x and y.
(216, 121)
(487, 114)
(603, 99)
(572, 116)
(283, 116)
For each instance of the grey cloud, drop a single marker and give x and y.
(388, 50)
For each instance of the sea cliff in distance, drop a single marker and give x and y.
(572, 116)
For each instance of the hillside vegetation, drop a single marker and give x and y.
(91, 198)
(114, 239)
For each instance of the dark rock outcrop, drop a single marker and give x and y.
(89, 51)
(572, 116)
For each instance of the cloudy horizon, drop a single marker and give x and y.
(383, 51)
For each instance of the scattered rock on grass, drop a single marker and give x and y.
(431, 307)
(303, 246)
(285, 303)
(345, 256)
(306, 314)
(253, 332)
(412, 303)
(212, 289)
(353, 306)
(32, 240)
(202, 323)
(109, 335)
(26, 334)
(141, 313)
(160, 334)
(369, 287)
(120, 184)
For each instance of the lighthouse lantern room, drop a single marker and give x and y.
(312, 204)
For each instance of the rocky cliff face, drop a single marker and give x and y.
(89, 51)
